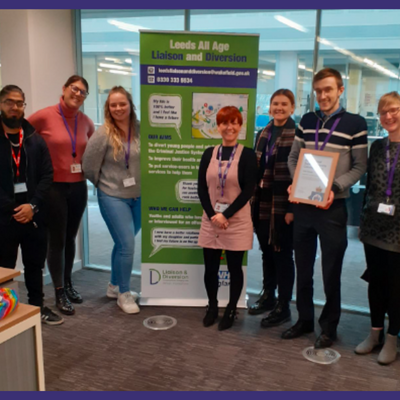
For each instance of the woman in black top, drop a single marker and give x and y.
(380, 232)
(272, 215)
(226, 183)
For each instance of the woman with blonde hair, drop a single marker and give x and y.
(380, 233)
(112, 163)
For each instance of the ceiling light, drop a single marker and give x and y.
(114, 71)
(128, 60)
(267, 72)
(105, 65)
(124, 26)
(99, 69)
(290, 23)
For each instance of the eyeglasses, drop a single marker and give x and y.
(392, 111)
(11, 103)
(78, 91)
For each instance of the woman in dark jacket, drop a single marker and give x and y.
(272, 216)
(380, 233)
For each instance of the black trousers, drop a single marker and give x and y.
(66, 204)
(33, 242)
(278, 266)
(212, 259)
(330, 225)
(384, 287)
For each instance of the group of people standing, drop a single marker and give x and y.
(44, 163)
(46, 159)
(243, 191)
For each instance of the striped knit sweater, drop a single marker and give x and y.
(349, 140)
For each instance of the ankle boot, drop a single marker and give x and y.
(227, 320)
(72, 294)
(62, 302)
(211, 316)
(266, 302)
(374, 339)
(279, 315)
(389, 350)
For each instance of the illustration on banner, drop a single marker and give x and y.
(205, 107)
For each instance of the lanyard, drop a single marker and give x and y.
(222, 179)
(128, 151)
(17, 159)
(390, 169)
(73, 139)
(335, 124)
(268, 151)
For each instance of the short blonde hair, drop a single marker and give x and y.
(388, 98)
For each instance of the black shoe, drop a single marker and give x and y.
(72, 293)
(279, 315)
(211, 316)
(227, 320)
(298, 329)
(49, 317)
(324, 340)
(266, 302)
(63, 303)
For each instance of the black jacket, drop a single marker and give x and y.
(39, 173)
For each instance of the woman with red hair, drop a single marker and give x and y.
(227, 178)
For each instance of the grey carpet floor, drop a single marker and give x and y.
(101, 348)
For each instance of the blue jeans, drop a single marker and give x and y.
(123, 219)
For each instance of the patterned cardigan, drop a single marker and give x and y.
(271, 193)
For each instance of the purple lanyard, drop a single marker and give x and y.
(268, 152)
(73, 139)
(127, 152)
(335, 124)
(222, 179)
(391, 169)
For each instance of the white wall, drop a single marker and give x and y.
(37, 53)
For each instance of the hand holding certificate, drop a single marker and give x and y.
(313, 178)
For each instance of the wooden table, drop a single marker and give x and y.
(21, 349)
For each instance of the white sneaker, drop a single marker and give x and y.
(112, 292)
(127, 303)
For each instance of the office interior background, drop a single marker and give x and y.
(39, 49)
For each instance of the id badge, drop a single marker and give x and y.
(220, 207)
(20, 188)
(76, 168)
(387, 209)
(129, 182)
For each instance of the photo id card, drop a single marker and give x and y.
(20, 188)
(220, 207)
(387, 209)
(76, 168)
(129, 182)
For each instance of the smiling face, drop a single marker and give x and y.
(73, 94)
(390, 117)
(119, 107)
(281, 109)
(229, 131)
(328, 94)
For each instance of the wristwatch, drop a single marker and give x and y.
(34, 208)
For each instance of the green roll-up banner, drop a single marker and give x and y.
(186, 78)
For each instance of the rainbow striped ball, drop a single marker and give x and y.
(8, 302)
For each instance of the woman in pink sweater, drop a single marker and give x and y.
(66, 131)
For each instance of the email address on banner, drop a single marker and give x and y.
(202, 72)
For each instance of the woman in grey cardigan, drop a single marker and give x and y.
(112, 163)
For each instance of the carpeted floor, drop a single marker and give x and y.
(101, 348)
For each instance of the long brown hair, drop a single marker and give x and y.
(114, 133)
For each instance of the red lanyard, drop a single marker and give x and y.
(17, 159)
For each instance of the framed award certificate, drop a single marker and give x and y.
(313, 177)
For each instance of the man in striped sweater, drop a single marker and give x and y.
(344, 133)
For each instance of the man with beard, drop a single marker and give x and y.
(26, 174)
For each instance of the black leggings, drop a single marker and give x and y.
(384, 287)
(65, 207)
(212, 259)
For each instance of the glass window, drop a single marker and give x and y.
(286, 50)
(110, 56)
